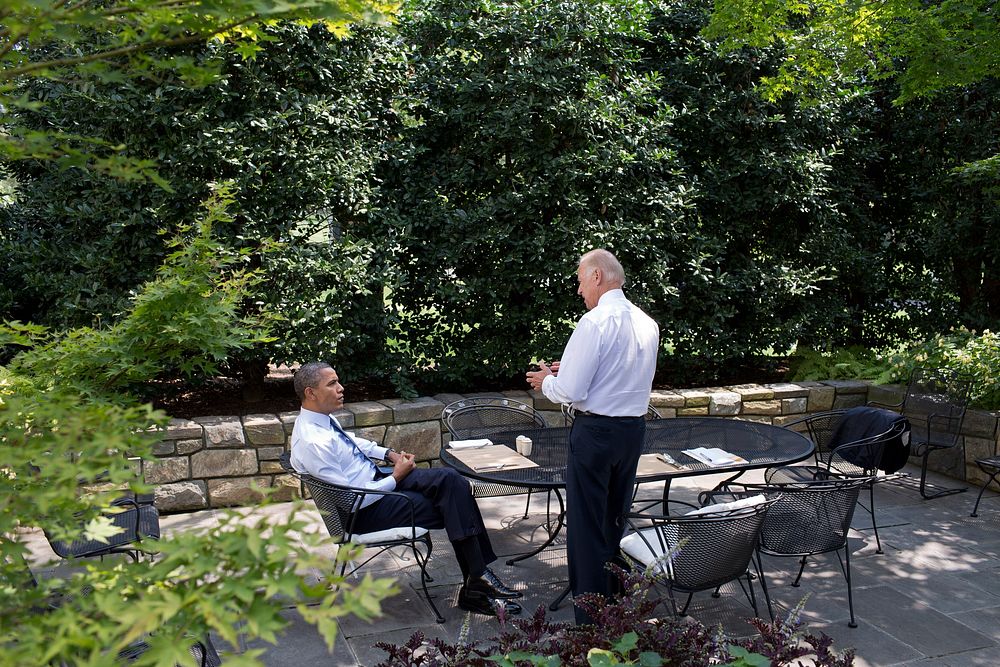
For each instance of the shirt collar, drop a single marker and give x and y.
(317, 418)
(612, 295)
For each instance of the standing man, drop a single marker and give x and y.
(442, 498)
(605, 375)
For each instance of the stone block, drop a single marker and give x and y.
(553, 418)
(233, 492)
(693, 412)
(725, 403)
(285, 488)
(522, 395)
(695, 398)
(190, 446)
(665, 399)
(886, 394)
(980, 424)
(288, 420)
(821, 398)
(373, 433)
(222, 431)
(978, 448)
(271, 468)
(771, 407)
(448, 399)
(787, 419)
(540, 403)
(667, 413)
(794, 406)
(757, 419)
(345, 417)
(369, 413)
(181, 496)
(848, 400)
(423, 439)
(179, 429)
(848, 386)
(223, 463)
(164, 447)
(269, 453)
(753, 392)
(417, 410)
(264, 430)
(170, 469)
(788, 390)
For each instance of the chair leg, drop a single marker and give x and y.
(850, 589)
(871, 505)
(763, 585)
(802, 566)
(686, 605)
(526, 504)
(752, 596)
(993, 478)
(424, 577)
(923, 480)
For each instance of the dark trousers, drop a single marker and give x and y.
(441, 499)
(603, 455)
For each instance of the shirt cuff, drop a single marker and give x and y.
(386, 483)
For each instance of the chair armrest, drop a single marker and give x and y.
(360, 493)
(888, 406)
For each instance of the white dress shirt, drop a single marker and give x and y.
(336, 456)
(608, 365)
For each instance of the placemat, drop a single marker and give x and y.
(652, 464)
(494, 457)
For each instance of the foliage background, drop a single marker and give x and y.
(431, 186)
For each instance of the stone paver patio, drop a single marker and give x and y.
(932, 599)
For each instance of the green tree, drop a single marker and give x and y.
(529, 137)
(116, 40)
(296, 130)
(928, 47)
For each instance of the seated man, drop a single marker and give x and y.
(442, 497)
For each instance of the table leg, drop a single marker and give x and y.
(552, 533)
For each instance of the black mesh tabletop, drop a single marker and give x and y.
(761, 445)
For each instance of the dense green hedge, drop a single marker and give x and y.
(433, 185)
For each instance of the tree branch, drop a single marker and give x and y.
(120, 51)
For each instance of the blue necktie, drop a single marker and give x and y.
(354, 446)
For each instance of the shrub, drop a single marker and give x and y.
(621, 634)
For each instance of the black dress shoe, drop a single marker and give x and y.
(501, 590)
(479, 603)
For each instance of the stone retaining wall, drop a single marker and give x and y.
(222, 461)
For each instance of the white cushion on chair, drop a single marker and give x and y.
(638, 549)
(742, 504)
(387, 535)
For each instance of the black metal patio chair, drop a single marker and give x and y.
(471, 418)
(990, 465)
(698, 551)
(338, 505)
(935, 403)
(808, 519)
(839, 455)
(138, 520)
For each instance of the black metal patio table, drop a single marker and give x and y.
(760, 445)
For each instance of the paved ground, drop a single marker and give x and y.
(932, 599)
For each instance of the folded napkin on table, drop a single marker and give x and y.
(470, 444)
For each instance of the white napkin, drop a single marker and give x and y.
(470, 444)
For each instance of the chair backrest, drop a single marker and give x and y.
(935, 403)
(708, 549)
(335, 505)
(853, 442)
(481, 417)
(808, 517)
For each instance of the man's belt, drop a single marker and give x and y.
(583, 413)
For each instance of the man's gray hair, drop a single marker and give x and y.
(308, 376)
(611, 268)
